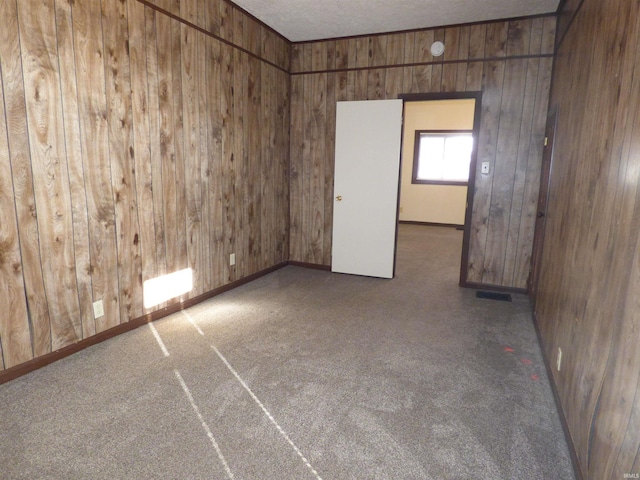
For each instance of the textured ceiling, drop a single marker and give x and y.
(300, 20)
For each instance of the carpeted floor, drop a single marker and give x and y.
(303, 374)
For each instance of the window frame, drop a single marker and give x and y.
(416, 158)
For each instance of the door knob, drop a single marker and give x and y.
(339, 198)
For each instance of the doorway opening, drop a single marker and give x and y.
(435, 150)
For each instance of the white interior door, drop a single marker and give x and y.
(367, 165)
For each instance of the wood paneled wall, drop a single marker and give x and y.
(133, 143)
(588, 302)
(565, 17)
(509, 61)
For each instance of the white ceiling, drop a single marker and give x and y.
(300, 20)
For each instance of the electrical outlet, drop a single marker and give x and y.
(485, 167)
(559, 359)
(98, 309)
(232, 259)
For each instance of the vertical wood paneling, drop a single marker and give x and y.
(145, 139)
(295, 173)
(378, 51)
(214, 261)
(548, 36)
(483, 263)
(569, 10)
(393, 83)
(240, 154)
(492, 86)
(69, 94)
(422, 74)
(167, 142)
(21, 169)
(155, 143)
(508, 180)
(280, 169)
(94, 127)
(178, 147)
(521, 213)
(192, 156)
(226, 21)
(475, 70)
(50, 173)
(327, 157)
(463, 54)
(14, 326)
(529, 212)
(296, 57)
(450, 71)
(515, 92)
(342, 62)
(122, 156)
(141, 132)
(189, 11)
(269, 167)
(268, 114)
(504, 172)
(351, 63)
(207, 167)
(253, 166)
(317, 122)
(282, 191)
(362, 60)
(588, 305)
(409, 53)
(211, 14)
(228, 156)
(306, 228)
(377, 57)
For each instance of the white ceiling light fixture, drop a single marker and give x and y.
(437, 48)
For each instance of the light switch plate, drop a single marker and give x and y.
(98, 309)
(485, 167)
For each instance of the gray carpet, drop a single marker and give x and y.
(303, 374)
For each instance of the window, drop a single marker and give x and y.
(442, 157)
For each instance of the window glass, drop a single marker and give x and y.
(442, 157)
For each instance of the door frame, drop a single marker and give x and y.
(543, 204)
(466, 237)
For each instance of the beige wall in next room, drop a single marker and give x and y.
(432, 203)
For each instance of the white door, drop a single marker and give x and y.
(368, 138)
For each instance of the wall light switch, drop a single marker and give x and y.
(232, 259)
(485, 167)
(98, 309)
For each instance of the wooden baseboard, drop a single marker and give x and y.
(314, 266)
(431, 224)
(556, 396)
(493, 288)
(27, 367)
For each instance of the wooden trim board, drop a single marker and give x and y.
(430, 224)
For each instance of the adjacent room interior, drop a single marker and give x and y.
(168, 201)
